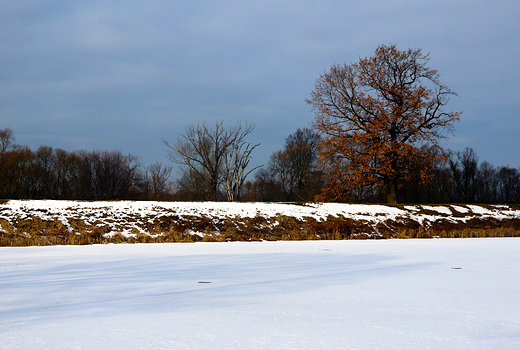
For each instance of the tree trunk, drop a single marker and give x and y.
(391, 195)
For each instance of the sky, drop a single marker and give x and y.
(125, 75)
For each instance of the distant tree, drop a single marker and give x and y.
(157, 177)
(487, 180)
(15, 172)
(40, 173)
(280, 166)
(248, 192)
(294, 168)
(376, 114)
(103, 175)
(267, 187)
(216, 156)
(508, 185)
(6, 139)
(464, 169)
(57, 174)
(434, 186)
(190, 186)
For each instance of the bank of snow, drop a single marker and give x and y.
(392, 294)
(132, 217)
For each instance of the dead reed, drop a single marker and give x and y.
(32, 230)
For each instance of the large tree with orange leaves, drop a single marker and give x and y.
(375, 114)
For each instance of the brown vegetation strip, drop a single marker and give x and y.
(32, 230)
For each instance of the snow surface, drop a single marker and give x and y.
(392, 294)
(133, 216)
(48, 208)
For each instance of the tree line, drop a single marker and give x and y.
(293, 174)
(49, 173)
(374, 139)
(296, 173)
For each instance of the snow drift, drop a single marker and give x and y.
(251, 221)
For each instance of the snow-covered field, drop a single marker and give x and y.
(392, 294)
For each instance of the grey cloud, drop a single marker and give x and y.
(124, 75)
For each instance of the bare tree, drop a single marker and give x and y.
(202, 151)
(464, 168)
(509, 185)
(295, 166)
(280, 165)
(105, 175)
(190, 187)
(6, 139)
(488, 182)
(302, 151)
(216, 156)
(157, 177)
(267, 187)
(237, 160)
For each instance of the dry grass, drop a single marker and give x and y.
(459, 233)
(170, 227)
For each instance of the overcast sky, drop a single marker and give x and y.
(124, 75)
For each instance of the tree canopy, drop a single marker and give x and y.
(375, 115)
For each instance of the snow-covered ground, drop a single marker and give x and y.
(392, 294)
(129, 217)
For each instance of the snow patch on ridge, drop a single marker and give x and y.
(131, 217)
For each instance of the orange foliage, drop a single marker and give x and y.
(375, 114)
